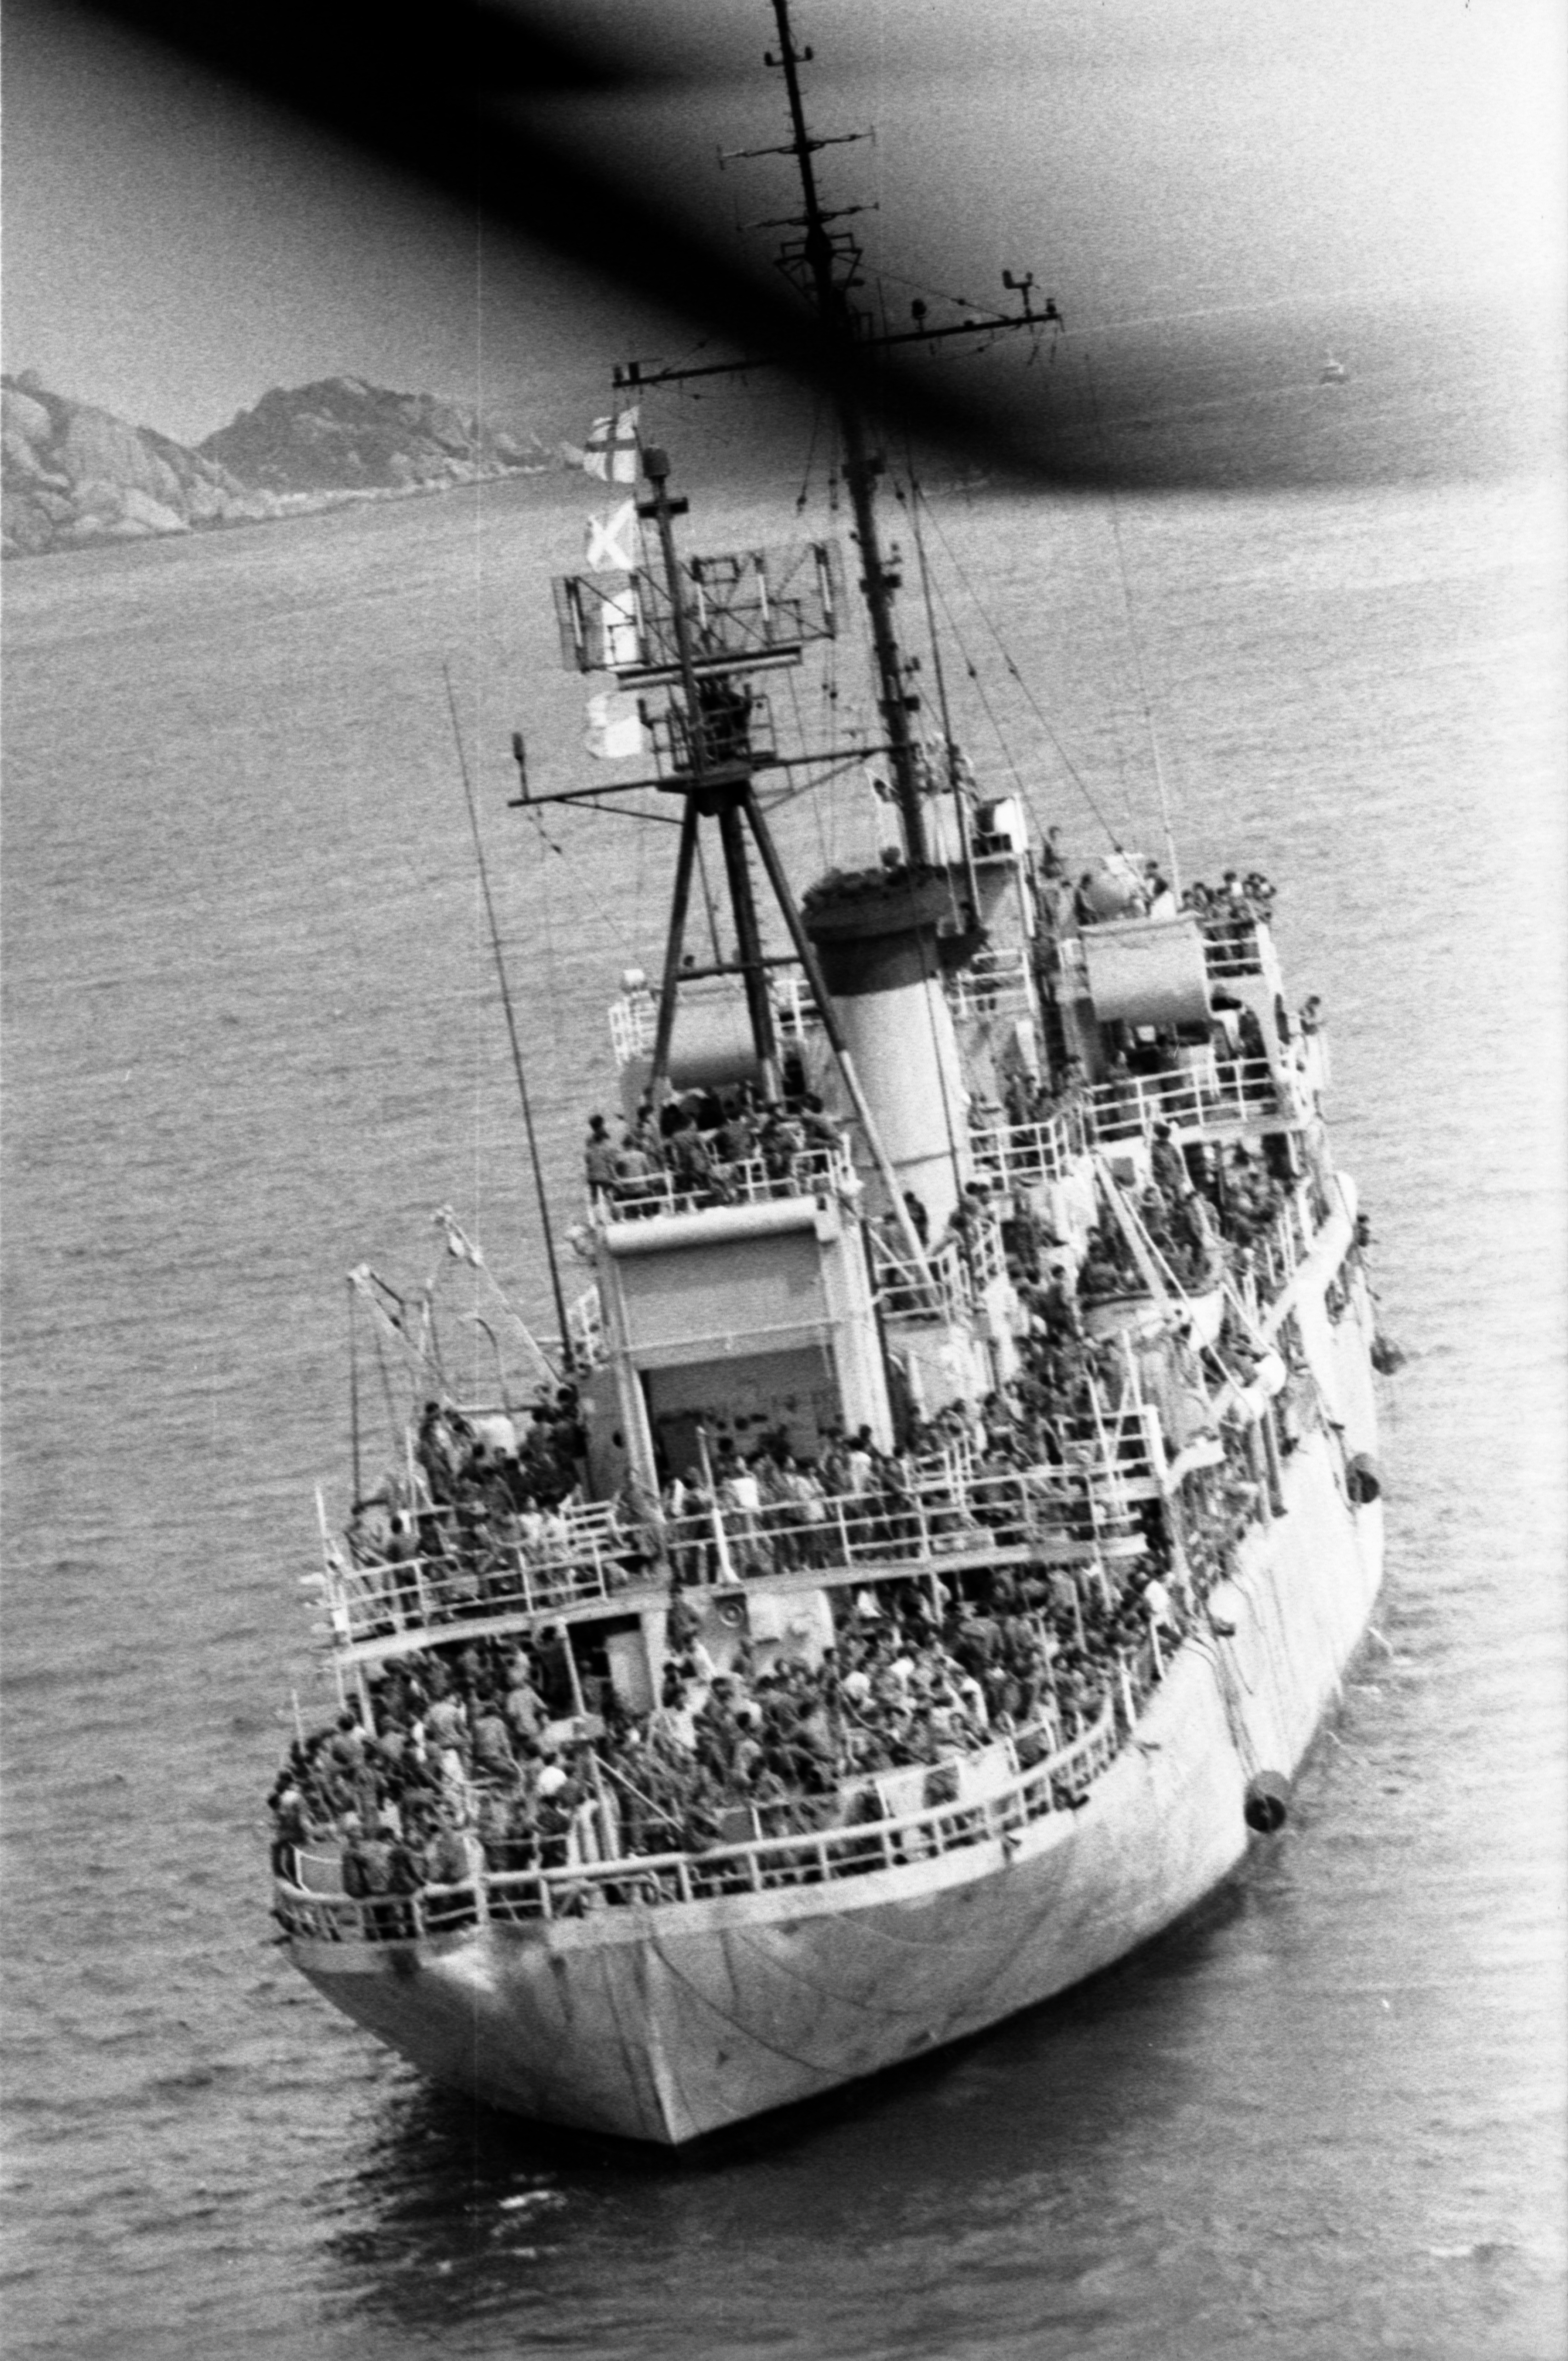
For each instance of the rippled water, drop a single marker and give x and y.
(253, 1037)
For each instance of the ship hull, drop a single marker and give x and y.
(666, 2023)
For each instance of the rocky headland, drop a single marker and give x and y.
(342, 434)
(74, 474)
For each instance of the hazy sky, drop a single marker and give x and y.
(172, 249)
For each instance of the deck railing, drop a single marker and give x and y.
(1056, 1782)
(634, 1017)
(1231, 947)
(795, 1005)
(1271, 1260)
(983, 1254)
(944, 1511)
(1044, 1149)
(1235, 1090)
(996, 984)
(905, 1292)
(585, 1322)
(955, 1276)
(1227, 1094)
(748, 1180)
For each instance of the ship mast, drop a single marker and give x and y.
(696, 626)
(862, 467)
(716, 771)
(720, 755)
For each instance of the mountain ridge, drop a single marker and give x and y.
(342, 433)
(75, 474)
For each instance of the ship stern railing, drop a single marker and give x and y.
(1045, 1781)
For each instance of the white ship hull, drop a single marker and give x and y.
(669, 2022)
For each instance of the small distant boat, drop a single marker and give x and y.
(1333, 371)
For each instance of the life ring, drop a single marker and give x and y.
(732, 1613)
(1267, 1805)
(1364, 1479)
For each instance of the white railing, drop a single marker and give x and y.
(983, 1254)
(905, 1292)
(1073, 962)
(585, 1321)
(462, 1572)
(1235, 1090)
(942, 1510)
(634, 1017)
(1232, 947)
(1041, 1150)
(795, 1005)
(996, 984)
(1271, 1260)
(633, 1022)
(805, 1856)
(957, 1273)
(748, 1180)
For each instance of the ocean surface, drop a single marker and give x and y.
(253, 1037)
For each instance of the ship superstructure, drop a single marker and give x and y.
(929, 1551)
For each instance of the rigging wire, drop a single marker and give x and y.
(1134, 636)
(817, 808)
(962, 816)
(393, 1426)
(617, 935)
(545, 1221)
(972, 674)
(640, 881)
(1031, 700)
(354, 1391)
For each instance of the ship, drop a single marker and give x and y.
(915, 1575)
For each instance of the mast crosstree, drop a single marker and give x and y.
(826, 263)
(716, 781)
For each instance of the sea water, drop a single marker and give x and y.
(253, 1039)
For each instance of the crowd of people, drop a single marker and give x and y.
(701, 1141)
(490, 1500)
(704, 1142)
(492, 1755)
(1240, 902)
(1123, 889)
(497, 1756)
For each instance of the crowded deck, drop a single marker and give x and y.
(482, 1895)
(728, 1151)
(500, 1532)
(475, 1564)
(492, 1777)
(1001, 1593)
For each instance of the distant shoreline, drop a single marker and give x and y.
(77, 477)
(288, 506)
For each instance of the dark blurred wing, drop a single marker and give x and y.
(461, 100)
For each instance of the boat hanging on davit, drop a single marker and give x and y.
(916, 1571)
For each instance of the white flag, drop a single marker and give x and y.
(611, 452)
(611, 547)
(614, 727)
